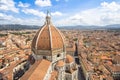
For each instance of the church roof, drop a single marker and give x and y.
(69, 58)
(37, 71)
(48, 37)
(54, 75)
(60, 63)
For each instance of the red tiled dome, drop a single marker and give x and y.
(48, 38)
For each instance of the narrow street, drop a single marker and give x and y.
(80, 74)
(77, 60)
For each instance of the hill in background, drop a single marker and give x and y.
(80, 27)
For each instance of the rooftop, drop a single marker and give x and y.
(37, 71)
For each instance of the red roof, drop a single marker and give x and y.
(38, 71)
(69, 59)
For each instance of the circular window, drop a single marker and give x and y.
(58, 55)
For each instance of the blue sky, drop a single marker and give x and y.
(64, 12)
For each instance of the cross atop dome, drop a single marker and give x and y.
(48, 13)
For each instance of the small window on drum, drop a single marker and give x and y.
(44, 57)
(58, 55)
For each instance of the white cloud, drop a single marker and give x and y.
(5, 17)
(57, 0)
(113, 6)
(43, 3)
(24, 5)
(40, 13)
(105, 14)
(8, 5)
(34, 12)
(10, 19)
(57, 13)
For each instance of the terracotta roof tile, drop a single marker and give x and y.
(54, 75)
(30, 71)
(60, 63)
(69, 59)
(37, 72)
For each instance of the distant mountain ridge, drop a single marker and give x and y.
(114, 26)
(21, 27)
(17, 27)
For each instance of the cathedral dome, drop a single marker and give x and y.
(48, 38)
